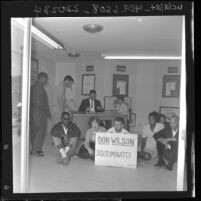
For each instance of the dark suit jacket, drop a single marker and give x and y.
(86, 103)
(39, 107)
(167, 133)
(58, 131)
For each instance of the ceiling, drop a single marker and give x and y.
(138, 36)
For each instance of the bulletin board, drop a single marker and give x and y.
(88, 83)
(120, 85)
(171, 86)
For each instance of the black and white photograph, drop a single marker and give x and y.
(99, 103)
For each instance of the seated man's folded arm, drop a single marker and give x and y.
(56, 137)
(160, 134)
(57, 142)
(171, 139)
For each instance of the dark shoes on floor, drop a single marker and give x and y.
(37, 153)
(63, 161)
(160, 163)
(169, 166)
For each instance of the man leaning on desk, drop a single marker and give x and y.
(91, 104)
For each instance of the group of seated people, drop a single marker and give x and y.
(159, 138)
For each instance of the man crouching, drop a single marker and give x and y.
(65, 137)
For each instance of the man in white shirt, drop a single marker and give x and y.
(148, 145)
(122, 107)
(59, 98)
(118, 126)
(167, 144)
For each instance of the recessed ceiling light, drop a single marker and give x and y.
(73, 54)
(93, 28)
(139, 20)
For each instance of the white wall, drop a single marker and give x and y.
(144, 95)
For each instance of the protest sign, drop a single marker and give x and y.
(118, 150)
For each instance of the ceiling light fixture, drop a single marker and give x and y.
(73, 54)
(93, 28)
(43, 38)
(143, 57)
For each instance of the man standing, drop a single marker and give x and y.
(167, 144)
(59, 101)
(91, 104)
(39, 112)
(65, 136)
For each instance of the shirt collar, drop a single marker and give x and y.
(175, 131)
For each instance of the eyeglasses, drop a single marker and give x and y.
(66, 118)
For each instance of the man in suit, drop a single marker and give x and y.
(65, 137)
(167, 144)
(39, 112)
(91, 104)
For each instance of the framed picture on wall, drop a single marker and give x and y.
(169, 111)
(88, 83)
(171, 86)
(110, 103)
(120, 85)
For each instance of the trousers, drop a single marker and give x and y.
(168, 154)
(38, 124)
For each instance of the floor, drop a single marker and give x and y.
(82, 175)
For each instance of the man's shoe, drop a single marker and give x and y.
(75, 157)
(60, 160)
(169, 166)
(37, 153)
(65, 161)
(41, 153)
(160, 164)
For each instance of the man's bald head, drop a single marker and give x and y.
(174, 122)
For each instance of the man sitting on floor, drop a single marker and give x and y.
(65, 137)
(148, 146)
(118, 126)
(167, 144)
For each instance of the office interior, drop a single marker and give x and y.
(155, 42)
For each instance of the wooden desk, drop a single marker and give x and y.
(81, 120)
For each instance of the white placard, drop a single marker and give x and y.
(118, 150)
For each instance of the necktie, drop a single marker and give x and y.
(92, 104)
